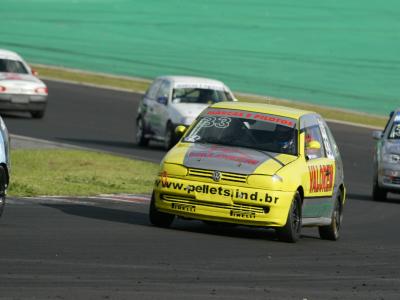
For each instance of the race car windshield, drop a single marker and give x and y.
(12, 66)
(395, 131)
(256, 133)
(199, 95)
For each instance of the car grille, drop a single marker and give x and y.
(191, 200)
(396, 180)
(224, 176)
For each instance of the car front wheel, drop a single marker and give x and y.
(3, 184)
(141, 140)
(170, 137)
(291, 231)
(378, 194)
(157, 217)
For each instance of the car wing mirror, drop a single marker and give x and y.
(311, 148)
(313, 145)
(162, 100)
(377, 134)
(180, 131)
(34, 72)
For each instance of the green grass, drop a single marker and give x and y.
(140, 85)
(77, 173)
(132, 84)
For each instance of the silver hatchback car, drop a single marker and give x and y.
(175, 100)
(386, 176)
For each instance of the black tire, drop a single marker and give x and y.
(170, 137)
(3, 185)
(291, 231)
(37, 114)
(332, 231)
(159, 218)
(141, 140)
(378, 194)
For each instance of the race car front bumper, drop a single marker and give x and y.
(222, 203)
(389, 178)
(21, 102)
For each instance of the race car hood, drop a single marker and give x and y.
(227, 159)
(392, 147)
(188, 110)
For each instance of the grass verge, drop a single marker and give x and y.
(140, 85)
(60, 172)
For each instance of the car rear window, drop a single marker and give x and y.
(12, 66)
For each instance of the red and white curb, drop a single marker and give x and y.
(117, 198)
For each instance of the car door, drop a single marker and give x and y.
(160, 109)
(147, 106)
(321, 166)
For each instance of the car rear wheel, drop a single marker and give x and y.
(3, 184)
(331, 231)
(157, 217)
(291, 231)
(378, 194)
(141, 140)
(37, 114)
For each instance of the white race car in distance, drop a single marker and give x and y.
(175, 100)
(20, 89)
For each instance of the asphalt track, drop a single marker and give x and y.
(97, 249)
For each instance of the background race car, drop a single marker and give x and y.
(172, 101)
(20, 89)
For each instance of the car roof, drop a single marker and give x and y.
(9, 55)
(265, 108)
(192, 79)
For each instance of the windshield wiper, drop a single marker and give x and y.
(270, 155)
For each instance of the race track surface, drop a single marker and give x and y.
(98, 249)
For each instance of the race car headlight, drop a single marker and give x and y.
(391, 158)
(173, 170)
(266, 182)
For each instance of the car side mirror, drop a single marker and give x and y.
(162, 100)
(377, 134)
(180, 131)
(313, 145)
(34, 72)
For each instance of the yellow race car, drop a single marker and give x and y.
(257, 165)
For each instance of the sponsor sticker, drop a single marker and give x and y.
(224, 153)
(321, 178)
(242, 214)
(198, 86)
(183, 207)
(252, 116)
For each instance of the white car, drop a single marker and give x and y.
(20, 89)
(175, 100)
(4, 164)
